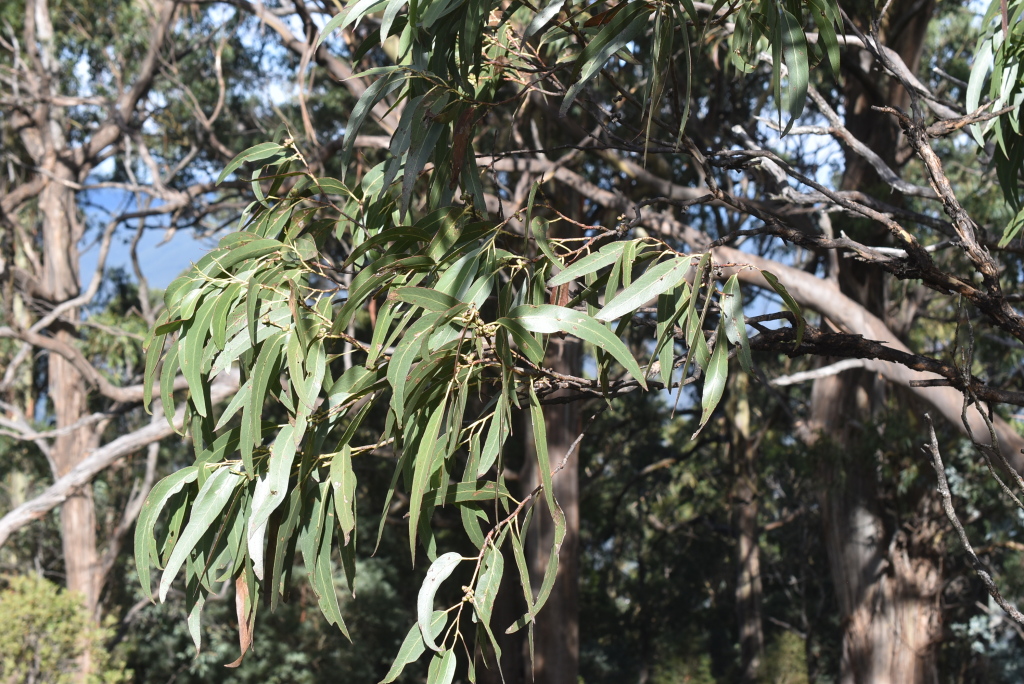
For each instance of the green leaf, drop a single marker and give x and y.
(269, 493)
(487, 585)
(206, 509)
(438, 572)
(323, 575)
(826, 33)
(194, 337)
(146, 555)
(790, 304)
(218, 326)
(607, 256)
(548, 318)
(527, 343)
(624, 27)
(442, 668)
(413, 647)
(424, 297)
(655, 280)
(496, 436)
(1012, 229)
(154, 346)
(546, 14)
(794, 50)
(343, 480)
(423, 467)
(373, 94)
(252, 413)
(735, 322)
(167, 374)
(254, 153)
(714, 379)
(408, 350)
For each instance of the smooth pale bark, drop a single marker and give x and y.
(887, 581)
(61, 166)
(100, 459)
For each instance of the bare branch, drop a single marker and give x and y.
(100, 459)
(947, 506)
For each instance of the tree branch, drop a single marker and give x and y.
(99, 460)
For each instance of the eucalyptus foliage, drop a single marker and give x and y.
(464, 307)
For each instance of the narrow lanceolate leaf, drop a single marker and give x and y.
(146, 554)
(438, 572)
(487, 586)
(526, 342)
(154, 346)
(254, 153)
(408, 350)
(794, 51)
(442, 668)
(192, 354)
(323, 575)
(424, 297)
(266, 363)
(1012, 229)
(167, 374)
(343, 480)
(413, 647)
(546, 14)
(735, 323)
(429, 450)
(715, 376)
(655, 280)
(826, 33)
(624, 27)
(607, 256)
(377, 90)
(548, 318)
(206, 509)
(790, 304)
(269, 493)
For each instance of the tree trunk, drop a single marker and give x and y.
(887, 581)
(556, 635)
(67, 392)
(45, 140)
(748, 552)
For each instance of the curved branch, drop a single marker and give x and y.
(93, 377)
(99, 460)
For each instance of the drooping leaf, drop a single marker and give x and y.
(146, 556)
(715, 376)
(616, 34)
(438, 572)
(655, 280)
(206, 509)
(413, 645)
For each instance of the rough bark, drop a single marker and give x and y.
(556, 635)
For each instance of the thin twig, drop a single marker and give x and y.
(947, 506)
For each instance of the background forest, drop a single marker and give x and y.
(798, 536)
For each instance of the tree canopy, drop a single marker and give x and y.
(478, 217)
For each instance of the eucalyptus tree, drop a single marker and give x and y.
(576, 172)
(104, 136)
